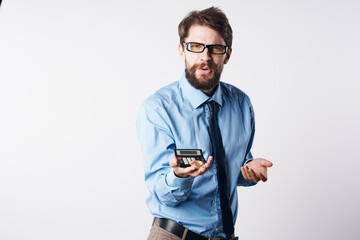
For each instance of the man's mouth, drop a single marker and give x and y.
(204, 69)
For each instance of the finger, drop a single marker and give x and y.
(245, 174)
(266, 163)
(263, 176)
(248, 174)
(185, 172)
(206, 166)
(202, 170)
(173, 162)
(252, 174)
(209, 162)
(189, 170)
(198, 172)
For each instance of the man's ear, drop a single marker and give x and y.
(181, 51)
(228, 54)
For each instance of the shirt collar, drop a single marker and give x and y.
(195, 96)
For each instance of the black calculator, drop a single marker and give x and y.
(186, 156)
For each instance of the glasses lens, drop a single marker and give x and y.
(217, 49)
(195, 47)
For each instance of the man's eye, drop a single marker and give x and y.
(196, 46)
(218, 48)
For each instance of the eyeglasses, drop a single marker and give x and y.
(199, 48)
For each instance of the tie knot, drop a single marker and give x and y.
(212, 106)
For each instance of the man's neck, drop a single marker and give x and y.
(210, 92)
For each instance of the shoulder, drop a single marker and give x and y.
(232, 93)
(162, 99)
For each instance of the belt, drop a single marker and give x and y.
(179, 230)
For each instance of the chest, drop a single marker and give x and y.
(191, 130)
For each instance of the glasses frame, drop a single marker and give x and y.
(209, 47)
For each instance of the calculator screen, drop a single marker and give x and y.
(188, 152)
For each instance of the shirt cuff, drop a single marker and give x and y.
(182, 183)
(245, 183)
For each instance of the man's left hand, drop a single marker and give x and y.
(256, 170)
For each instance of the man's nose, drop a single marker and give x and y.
(205, 55)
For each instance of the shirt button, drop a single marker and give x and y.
(219, 207)
(217, 229)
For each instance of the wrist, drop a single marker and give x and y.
(248, 161)
(180, 175)
(180, 182)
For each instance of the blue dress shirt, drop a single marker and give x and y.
(177, 116)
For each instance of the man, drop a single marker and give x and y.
(199, 112)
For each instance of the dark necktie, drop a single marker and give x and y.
(219, 158)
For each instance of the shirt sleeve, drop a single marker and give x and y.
(157, 145)
(248, 155)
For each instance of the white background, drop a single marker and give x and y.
(73, 74)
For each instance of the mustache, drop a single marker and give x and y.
(209, 64)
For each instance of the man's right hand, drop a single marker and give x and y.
(189, 171)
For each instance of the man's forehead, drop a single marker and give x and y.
(204, 34)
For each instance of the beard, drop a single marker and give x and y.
(204, 81)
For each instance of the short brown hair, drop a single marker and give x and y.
(212, 17)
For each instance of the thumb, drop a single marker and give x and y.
(266, 163)
(173, 162)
